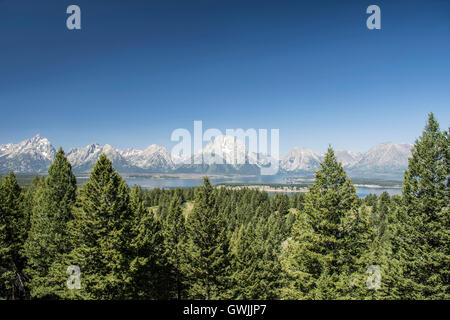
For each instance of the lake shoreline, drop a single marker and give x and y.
(287, 189)
(271, 184)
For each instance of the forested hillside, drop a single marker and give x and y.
(217, 243)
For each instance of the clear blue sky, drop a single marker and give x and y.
(139, 69)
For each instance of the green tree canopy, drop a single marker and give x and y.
(423, 240)
(328, 238)
(207, 246)
(12, 237)
(48, 236)
(101, 235)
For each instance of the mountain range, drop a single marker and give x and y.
(225, 154)
(385, 160)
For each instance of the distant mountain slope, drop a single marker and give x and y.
(152, 158)
(29, 156)
(348, 158)
(305, 160)
(387, 160)
(301, 160)
(387, 154)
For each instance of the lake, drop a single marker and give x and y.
(151, 182)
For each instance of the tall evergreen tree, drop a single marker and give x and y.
(48, 236)
(328, 238)
(255, 266)
(244, 249)
(29, 194)
(174, 233)
(207, 247)
(423, 242)
(383, 212)
(12, 237)
(148, 267)
(100, 235)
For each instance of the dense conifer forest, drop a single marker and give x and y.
(217, 243)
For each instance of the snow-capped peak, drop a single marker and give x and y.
(31, 155)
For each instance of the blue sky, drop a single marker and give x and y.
(139, 69)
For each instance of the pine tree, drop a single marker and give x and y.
(29, 194)
(244, 278)
(383, 212)
(282, 203)
(255, 266)
(48, 236)
(12, 236)
(148, 267)
(174, 234)
(207, 247)
(328, 240)
(422, 244)
(100, 235)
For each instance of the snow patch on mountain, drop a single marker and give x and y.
(301, 159)
(83, 159)
(387, 154)
(29, 156)
(153, 157)
(348, 158)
